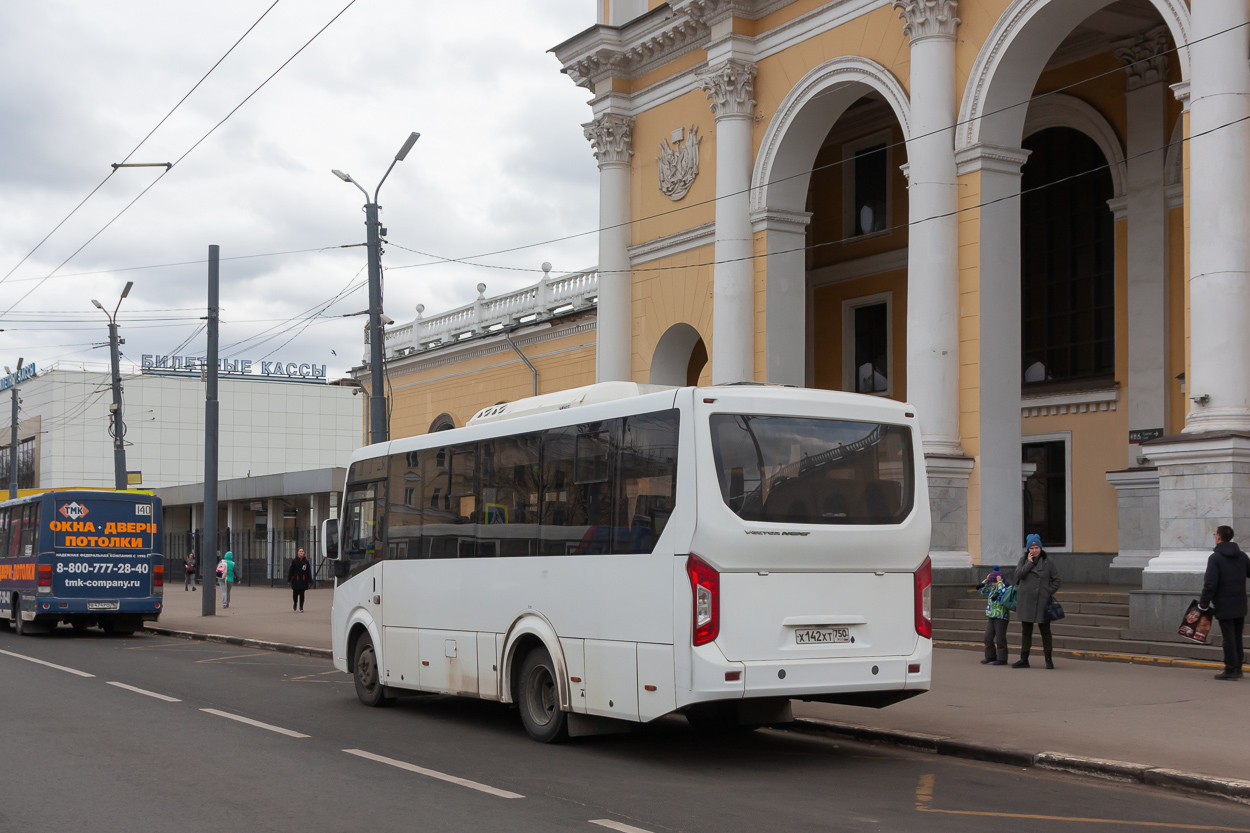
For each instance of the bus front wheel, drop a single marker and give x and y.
(368, 680)
(539, 699)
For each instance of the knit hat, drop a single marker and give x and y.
(1031, 539)
(994, 576)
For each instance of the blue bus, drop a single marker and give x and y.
(81, 557)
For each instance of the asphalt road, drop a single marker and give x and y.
(178, 754)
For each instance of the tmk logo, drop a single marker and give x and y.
(74, 510)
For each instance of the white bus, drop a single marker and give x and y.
(621, 552)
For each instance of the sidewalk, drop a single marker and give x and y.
(1178, 718)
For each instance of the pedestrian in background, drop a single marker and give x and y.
(1037, 580)
(298, 577)
(1225, 585)
(996, 620)
(225, 572)
(188, 564)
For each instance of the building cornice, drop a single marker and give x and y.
(987, 157)
(602, 52)
(672, 244)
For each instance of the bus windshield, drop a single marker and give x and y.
(799, 470)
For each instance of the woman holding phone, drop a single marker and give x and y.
(1037, 580)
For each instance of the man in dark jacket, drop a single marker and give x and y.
(1225, 585)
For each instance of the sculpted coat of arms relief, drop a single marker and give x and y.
(679, 163)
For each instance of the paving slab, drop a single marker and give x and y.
(254, 613)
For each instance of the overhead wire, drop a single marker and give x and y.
(142, 141)
(185, 154)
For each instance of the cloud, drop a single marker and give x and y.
(501, 162)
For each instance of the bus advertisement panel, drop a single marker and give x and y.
(81, 557)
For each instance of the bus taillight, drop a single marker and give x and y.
(158, 579)
(45, 578)
(924, 599)
(705, 585)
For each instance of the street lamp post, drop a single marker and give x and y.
(377, 394)
(119, 427)
(13, 435)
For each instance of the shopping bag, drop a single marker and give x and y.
(221, 569)
(1054, 610)
(1196, 626)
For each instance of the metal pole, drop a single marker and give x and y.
(119, 427)
(517, 350)
(13, 441)
(377, 391)
(208, 602)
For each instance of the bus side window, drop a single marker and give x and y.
(509, 494)
(359, 533)
(449, 512)
(15, 532)
(577, 489)
(4, 533)
(30, 530)
(405, 496)
(646, 485)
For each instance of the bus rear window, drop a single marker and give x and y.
(798, 470)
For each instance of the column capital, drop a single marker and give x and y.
(730, 86)
(928, 18)
(611, 136)
(1145, 58)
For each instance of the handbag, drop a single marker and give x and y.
(1008, 597)
(1054, 610)
(1196, 626)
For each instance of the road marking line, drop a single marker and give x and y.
(49, 664)
(148, 693)
(924, 794)
(432, 773)
(616, 825)
(255, 723)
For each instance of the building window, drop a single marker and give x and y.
(867, 334)
(1046, 492)
(866, 201)
(25, 464)
(1067, 270)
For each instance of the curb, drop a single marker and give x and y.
(242, 642)
(1124, 771)
(1102, 656)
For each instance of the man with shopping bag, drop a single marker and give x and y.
(1224, 585)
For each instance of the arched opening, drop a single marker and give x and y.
(680, 357)
(442, 422)
(1067, 261)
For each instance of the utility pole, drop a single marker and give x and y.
(13, 436)
(119, 426)
(378, 422)
(208, 547)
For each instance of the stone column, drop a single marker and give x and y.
(933, 273)
(273, 537)
(1219, 210)
(933, 247)
(730, 85)
(611, 137)
(1146, 206)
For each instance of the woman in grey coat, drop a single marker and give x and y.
(1037, 579)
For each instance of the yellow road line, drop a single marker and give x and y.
(1080, 654)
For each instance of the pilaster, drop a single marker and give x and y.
(611, 137)
(1137, 499)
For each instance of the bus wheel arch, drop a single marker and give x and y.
(359, 628)
(528, 632)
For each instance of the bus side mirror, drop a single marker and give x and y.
(330, 540)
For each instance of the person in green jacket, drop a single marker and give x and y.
(227, 575)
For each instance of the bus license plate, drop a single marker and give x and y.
(102, 605)
(813, 636)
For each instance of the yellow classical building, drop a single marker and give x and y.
(1028, 218)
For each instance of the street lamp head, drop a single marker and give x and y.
(97, 304)
(19, 364)
(341, 175)
(412, 140)
(126, 291)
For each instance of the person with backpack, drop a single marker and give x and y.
(1224, 585)
(997, 615)
(1037, 580)
(226, 575)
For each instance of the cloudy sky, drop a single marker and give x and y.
(501, 163)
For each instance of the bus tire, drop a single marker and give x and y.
(365, 674)
(539, 699)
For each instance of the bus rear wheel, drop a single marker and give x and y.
(369, 687)
(539, 699)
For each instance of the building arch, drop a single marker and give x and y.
(442, 422)
(679, 356)
(796, 132)
(1174, 161)
(1068, 111)
(1022, 40)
